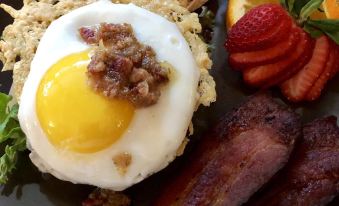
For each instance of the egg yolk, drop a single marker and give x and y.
(72, 115)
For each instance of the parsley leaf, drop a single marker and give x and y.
(11, 136)
(331, 25)
(328, 26)
(315, 33)
(290, 4)
(298, 5)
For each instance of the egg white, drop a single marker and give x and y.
(155, 133)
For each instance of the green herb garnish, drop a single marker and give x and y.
(11, 137)
(207, 21)
(301, 10)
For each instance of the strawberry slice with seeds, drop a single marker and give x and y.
(296, 88)
(336, 66)
(266, 75)
(242, 60)
(320, 83)
(293, 69)
(259, 28)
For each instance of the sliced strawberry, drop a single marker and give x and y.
(297, 87)
(239, 61)
(336, 67)
(297, 66)
(259, 28)
(320, 83)
(266, 75)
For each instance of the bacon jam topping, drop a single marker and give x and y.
(121, 67)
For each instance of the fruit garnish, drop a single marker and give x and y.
(331, 9)
(301, 10)
(302, 61)
(319, 85)
(272, 45)
(296, 88)
(336, 67)
(237, 8)
(265, 56)
(261, 76)
(260, 28)
(304, 11)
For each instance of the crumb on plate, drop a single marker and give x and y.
(122, 162)
(103, 197)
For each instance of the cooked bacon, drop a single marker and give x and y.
(89, 35)
(312, 177)
(245, 149)
(121, 67)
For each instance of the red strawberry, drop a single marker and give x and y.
(264, 76)
(259, 28)
(336, 67)
(243, 60)
(299, 64)
(296, 88)
(320, 83)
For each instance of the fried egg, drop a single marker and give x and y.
(78, 135)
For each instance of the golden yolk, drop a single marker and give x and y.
(73, 116)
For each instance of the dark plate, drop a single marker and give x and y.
(31, 188)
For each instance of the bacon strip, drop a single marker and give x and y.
(237, 157)
(312, 177)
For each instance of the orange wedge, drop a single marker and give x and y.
(237, 8)
(331, 8)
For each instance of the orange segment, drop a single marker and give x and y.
(237, 8)
(331, 8)
(319, 14)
